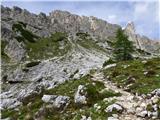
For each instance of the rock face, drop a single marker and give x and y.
(14, 50)
(9, 103)
(142, 42)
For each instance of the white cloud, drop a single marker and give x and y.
(141, 8)
(112, 18)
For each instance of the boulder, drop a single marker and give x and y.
(143, 114)
(155, 115)
(114, 107)
(9, 103)
(59, 102)
(156, 92)
(80, 96)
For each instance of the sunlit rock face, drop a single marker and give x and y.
(142, 42)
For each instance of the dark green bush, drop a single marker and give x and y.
(58, 36)
(25, 34)
(82, 35)
(22, 23)
(31, 64)
(110, 61)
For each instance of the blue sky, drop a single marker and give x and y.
(144, 13)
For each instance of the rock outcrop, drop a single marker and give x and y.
(142, 42)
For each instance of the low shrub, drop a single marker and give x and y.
(110, 61)
(31, 64)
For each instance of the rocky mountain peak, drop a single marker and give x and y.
(130, 27)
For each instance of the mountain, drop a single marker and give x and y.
(62, 21)
(39, 52)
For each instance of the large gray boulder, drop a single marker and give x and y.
(59, 102)
(9, 103)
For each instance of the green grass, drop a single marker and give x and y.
(93, 89)
(94, 113)
(87, 42)
(143, 84)
(23, 111)
(4, 56)
(49, 47)
(110, 61)
(26, 35)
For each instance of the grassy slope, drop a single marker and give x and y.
(4, 56)
(86, 41)
(72, 111)
(49, 47)
(136, 69)
(41, 48)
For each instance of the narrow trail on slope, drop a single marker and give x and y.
(127, 100)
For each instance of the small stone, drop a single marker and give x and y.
(115, 107)
(149, 114)
(155, 107)
(143, 105)
(143, 114)
(144, 61)
(155, 99)
(112, 118)
(109, 66)
(115, 115)
(155, 114)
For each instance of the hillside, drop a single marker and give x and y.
(59, 67)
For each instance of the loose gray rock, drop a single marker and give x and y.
(80, 96)
(115, 107)
(112, 118)
(59, 102)
(143, 114)
(9, 103)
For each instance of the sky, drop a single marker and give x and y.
(144, 13)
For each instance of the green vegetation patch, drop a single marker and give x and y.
(110, 61)
(55, 45)
(4, 56)
(87, 42)
(96, 113)
(27, 109)
(94, 95)
(26, 35)
(140, 77)
(32, 64)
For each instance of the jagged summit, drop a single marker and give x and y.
(130, 27)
